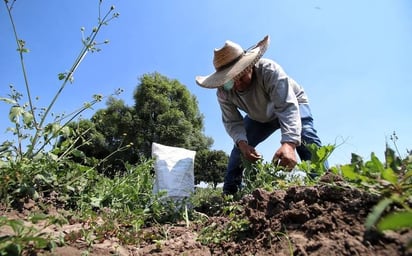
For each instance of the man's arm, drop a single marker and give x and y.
(231, 118)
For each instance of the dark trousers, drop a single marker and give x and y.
(257, 132)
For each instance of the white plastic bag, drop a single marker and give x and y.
(174, 171)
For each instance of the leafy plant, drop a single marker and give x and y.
(318, 165)
(30, 123)
(392, 180)
(131, 190)
(26, 165)
(262, 175)
(394, 211)
(207, 202)
(233, 230)
(21, 238)
(269, 176)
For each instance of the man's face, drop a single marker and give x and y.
(242, 83)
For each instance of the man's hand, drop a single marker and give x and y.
(248, 151)
(286, 156)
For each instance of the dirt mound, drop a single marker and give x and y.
(313, 221)
(319, 220)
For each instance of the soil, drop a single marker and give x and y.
(326, 219)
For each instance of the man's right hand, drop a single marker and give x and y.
(248, 151)
(285, 156)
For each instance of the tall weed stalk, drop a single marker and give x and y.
(37, 133)
(25, 166)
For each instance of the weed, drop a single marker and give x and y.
(30, 123)
(268, 177)
(233, 230)
(318, 165)
(392, 180)
(21, 238)
(29, 169)
(394, 184)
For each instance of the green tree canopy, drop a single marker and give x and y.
(106, 140)
(117, 125)
(167, 113)
(210, 166)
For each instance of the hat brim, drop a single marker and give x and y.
(219, 78)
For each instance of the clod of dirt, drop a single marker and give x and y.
(319, 220)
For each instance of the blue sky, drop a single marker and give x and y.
(352, 57)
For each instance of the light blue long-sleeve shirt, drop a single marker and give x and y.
(272, 95)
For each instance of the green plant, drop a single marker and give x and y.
(22, 238)
(266, 176)
(126, 203)
(233, 230)
(269, 176)
(28, 167)
(213, 234)
(131, 190)
(234, 227)
(207, 202)
(317, 166)
(30, 123)
(392, 180)
(394, 211)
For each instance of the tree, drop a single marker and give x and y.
(81, 143)
(106, 140)
(117, 125)
(167, 113)
(210, 166)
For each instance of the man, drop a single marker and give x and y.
(271, 100)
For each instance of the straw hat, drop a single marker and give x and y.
(231, 61)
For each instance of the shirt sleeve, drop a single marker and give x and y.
(231, 117)
(284, 103)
